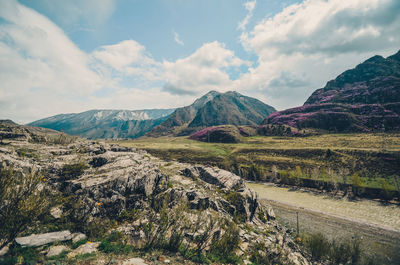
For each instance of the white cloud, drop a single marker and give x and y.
(249, 6)
(316, 40)
(40, 66)
(202, 71)
(177, 39)
(129, 58)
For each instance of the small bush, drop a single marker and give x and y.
(223, 249)
(115, 243)
(21, 255)
(336, 252)
(237, 200)
(257, 255)
(79, 243)
(71, 171)
(21, 202)
(319, 246)
(128, 215)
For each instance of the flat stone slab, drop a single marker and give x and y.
(57, 250)
(36, 240)
(133, 261)
(84, 249)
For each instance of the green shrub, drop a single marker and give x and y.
(335, 252)
(128, 215)
(257, 255)
(387, 191)
(71, 171)
(21, 202)
(318, 245)
(79, 243)
(237, 200)
(223, 249)
(115, 243)
(21, 255)
(261, 216)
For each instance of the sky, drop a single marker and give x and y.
(60, 56)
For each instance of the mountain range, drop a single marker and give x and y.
(213, 108)
(363, 99)
(94, 124)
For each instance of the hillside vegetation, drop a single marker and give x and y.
(359, 164)
(363, 99)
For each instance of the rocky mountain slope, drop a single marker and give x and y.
(129, 203)
(95, 124)
(363, 99)
(213, 109)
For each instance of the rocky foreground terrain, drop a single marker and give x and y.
(106, 204)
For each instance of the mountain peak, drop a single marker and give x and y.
(198, 103)
(212, 109)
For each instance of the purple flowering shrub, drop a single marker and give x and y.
(217, 134)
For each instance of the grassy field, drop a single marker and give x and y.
(369, 160)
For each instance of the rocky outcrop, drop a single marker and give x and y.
(145, 199)
(363, 99)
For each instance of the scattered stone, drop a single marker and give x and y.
(84, 249)
(57, 250)
(133, 261)
(78, 236)
(36, 240)
(56, 212)
(4, 250)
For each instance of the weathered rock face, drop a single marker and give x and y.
(366, 98)
(137, 191)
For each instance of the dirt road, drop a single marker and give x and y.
(377, 225)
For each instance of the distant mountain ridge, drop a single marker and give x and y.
(213, 109)
(363, 99)
(94, 124)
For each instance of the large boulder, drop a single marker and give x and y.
(36, 240)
